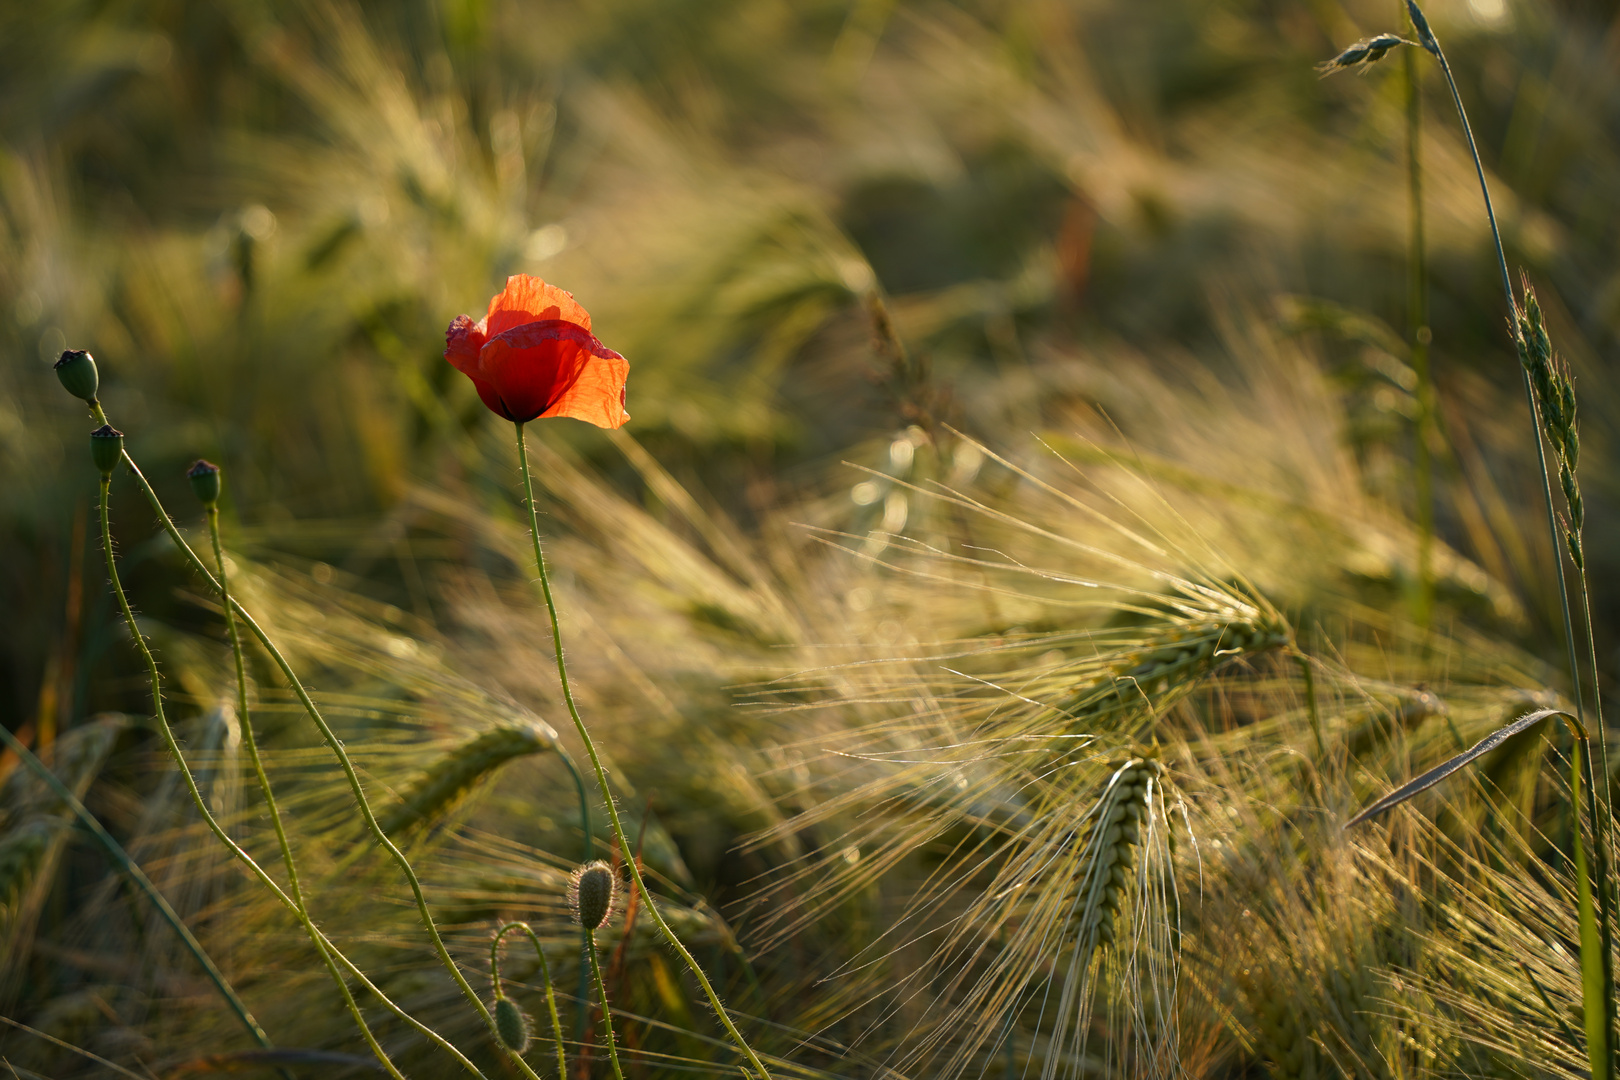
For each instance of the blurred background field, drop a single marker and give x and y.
(1118, 270)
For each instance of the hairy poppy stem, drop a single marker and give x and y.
(545, 976)
(249, 742)
(336, 746)
(607, 795)
(294, 903)
(168, 737)
(607, 1012)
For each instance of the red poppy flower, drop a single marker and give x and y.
(534, 356)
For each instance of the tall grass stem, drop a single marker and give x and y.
(1417, 311)
(132, 870)
(1602, 823)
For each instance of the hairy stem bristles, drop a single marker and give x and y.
(454, 774)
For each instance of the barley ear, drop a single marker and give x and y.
(455, 774)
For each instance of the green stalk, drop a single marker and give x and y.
(336, 746)
(601, 778)
(1602, 825)
(607, 1012)
(545, 975)
(584, 987)
(1417, 311)
(1309, 674)
(296, 902)
(214, 826)
(132, 869)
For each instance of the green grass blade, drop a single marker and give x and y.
(1440, 772)
(1594, 984)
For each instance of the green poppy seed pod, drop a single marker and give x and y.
(592, 891)
(106, 447)
(511, 1025)
(77, 370)
(204, 477)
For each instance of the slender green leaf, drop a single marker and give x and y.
(1440, 772)
(1594, 984)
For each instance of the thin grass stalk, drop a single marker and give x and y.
(1594, 999)
(545, 976)
(1602, 825)
(167, 732)
(131, 869)
(1308, 672)
(601, 778)
(1417, 310)
(336, 746)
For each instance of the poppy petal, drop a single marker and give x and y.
(528, 299)
(461, 344)
(555, 368)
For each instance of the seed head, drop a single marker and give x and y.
(1421, 25)
(77, 370)
(204, 477)
(1363, 53)
(106, 447)
(593, 893)
(511, 1025)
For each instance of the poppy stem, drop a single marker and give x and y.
(760, 1070)
(545, 975)
(336, 746)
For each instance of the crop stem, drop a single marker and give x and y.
(1602, 825)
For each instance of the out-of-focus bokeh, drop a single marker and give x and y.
(829, 235)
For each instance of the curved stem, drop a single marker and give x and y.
(545, 975)
(336, 746)
(296, 902)
(214, 973)
(607, 1011)
(601, 778)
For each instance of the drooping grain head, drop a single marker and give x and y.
(1171, 663)
(455, 774)
(593, 894)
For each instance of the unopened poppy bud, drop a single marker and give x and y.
(77, 370)
(592, 891)
(204, 477)
(106, 446)
(511, 1025)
